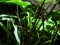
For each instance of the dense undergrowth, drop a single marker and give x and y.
(28, 23)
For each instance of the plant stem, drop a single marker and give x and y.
(54, 35)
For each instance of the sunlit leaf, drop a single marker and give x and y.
(46, 1)
(18, 2)
(16, 33)
(39, 23)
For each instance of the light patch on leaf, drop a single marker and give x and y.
(16, 34)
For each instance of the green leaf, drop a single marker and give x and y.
(18, 2)
(55, 16)
(58, 11)
(46, 1)
(16, 33)
(24, 4)
(39, 23)
(50, 22)
(4, 27)
(21, 3)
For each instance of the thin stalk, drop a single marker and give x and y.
(18, 14)
(19, 24)
(38, 11)
(43, 28)
(44, 12)
(54, 35)
(48, 15)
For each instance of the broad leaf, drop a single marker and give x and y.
(18, 2)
